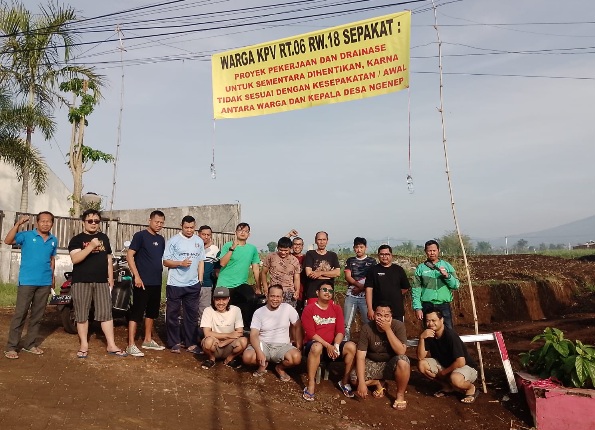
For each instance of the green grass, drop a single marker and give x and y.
(8, 294)
(568, 253)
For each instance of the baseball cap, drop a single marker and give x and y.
(221, 292)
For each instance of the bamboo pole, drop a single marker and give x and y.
(452, 200)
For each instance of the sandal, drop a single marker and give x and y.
(82, 354)
(118, 353)
(194, 349)
(176, 349)
(13, 355)
(259, 373)
(34, 350)
(236, 363)
(442, 393)
(283, 376)
(379, 392)
(307, 396)
(470, 398)
(400, 405)
(207, 364)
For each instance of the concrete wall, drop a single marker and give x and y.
(54, 199)
(223, 218)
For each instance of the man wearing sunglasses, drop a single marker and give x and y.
(324, 327)
(92, 280)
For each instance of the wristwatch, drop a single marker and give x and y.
(232, 249)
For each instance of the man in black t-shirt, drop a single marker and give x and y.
(386, 282)
(92, 280)
(321, 267)
(449, 362)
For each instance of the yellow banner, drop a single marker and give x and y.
(362, 59)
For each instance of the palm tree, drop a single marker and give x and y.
(13, 150)
(31, 64)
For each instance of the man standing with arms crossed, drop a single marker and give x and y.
(92, 279)
(184, 257)
(433, 284)
(321, 266)
(144, 258)
(36, 277)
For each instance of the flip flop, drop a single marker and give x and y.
(283, 376)
(259, 373)
(194, 350)
(307, 396)
(176, 349)
(470, 398)
(442, 393)
(118, 353)
(82, 354)
(379, 393)
(33, 350)
(12, 355)
(400, 405)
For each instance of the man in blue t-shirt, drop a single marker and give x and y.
(36, 277)
(144, 258)
(184, 257)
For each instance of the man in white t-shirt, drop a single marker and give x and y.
(223, 328)
(269, 336)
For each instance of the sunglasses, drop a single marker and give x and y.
(327, 290)
(93, 221)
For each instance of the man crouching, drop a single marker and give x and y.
(449, 362)
(381, 355)
(223, 329)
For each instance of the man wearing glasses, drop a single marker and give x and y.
(324, 327)
(386, 282)
(92, 280)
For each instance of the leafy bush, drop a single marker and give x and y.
(572, 363)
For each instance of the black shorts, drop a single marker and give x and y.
(145, 301)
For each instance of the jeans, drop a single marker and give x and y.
(351, 306)
(443, 307)
(27, 297)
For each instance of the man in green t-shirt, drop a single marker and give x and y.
(236, 259)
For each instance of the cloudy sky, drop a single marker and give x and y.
(519, 86)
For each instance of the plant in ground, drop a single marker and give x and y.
(572, 363)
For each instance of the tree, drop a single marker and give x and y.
(405, 248)
(271, 246)
(450, 244)
(80, 157)
(483, 247)
(542, 246)
(521, 245)
(31, 64)
(13, 150)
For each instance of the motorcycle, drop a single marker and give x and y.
(121, 293)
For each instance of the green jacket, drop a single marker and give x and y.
(430, 286)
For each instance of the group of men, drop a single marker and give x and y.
(300, 316)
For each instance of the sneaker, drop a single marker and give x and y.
(152, 345)
(134, 351)
(347, 390)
